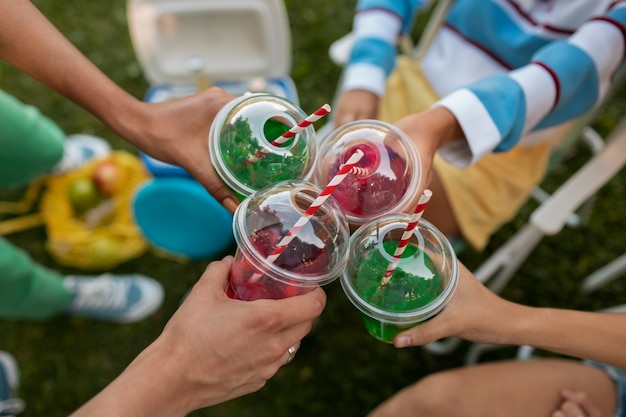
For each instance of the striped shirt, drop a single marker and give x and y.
(507, 69)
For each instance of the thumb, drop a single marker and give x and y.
(215, 276)
(420, 335)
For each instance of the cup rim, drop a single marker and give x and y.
(411, 316)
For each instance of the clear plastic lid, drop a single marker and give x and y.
(241, 143)
(318, 251)
(392, 164)
(423, 280)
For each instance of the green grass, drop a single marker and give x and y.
(339, 370)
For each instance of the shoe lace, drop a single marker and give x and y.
(101, 293)
(12, 406)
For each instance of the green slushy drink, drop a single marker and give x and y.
(241, 143)
(422, 283)
(413, 285)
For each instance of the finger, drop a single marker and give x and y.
(432, 330)
(585, 404)
(417, 336)
(558, 413)
(214, 279)
(572, 409)
(343, 119)
(208, 178)
(290, 354)
(300, 308)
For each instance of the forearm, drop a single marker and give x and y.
(148, 387)
(376, 28)
(589, 335)
(31, 43)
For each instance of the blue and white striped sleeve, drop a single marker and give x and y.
(563, 80)
(377, 25)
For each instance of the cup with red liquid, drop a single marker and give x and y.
(316, 255)
(392, 164)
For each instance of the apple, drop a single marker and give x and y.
(106, 176)
(83, 194)
(102, 251)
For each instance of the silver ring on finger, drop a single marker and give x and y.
(292, 354)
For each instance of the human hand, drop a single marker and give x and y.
(474, 313)
(430, 130)
(213, 349)
(177, 132)
(233, 347)
(576, 404)
(356, 105)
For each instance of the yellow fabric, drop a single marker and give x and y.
(485, 195)
(71, 243)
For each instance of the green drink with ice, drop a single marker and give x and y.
(422, 283)
(241, 143)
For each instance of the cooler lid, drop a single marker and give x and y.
(182, 40)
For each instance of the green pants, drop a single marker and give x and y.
(30, 144)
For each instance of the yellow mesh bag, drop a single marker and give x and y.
(112, 241)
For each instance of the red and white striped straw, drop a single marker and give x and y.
(406, 236)
(343, 172)
(308, 121)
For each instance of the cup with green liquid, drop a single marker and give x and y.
(422, 284)
(241, 143)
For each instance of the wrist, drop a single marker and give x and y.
(447, 127)
(431, 129)
(127, 119)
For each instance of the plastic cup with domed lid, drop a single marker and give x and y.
(391, 165)
(423, 281)
(266, 264)
(243, 143)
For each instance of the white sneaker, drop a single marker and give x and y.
(78, 149)
(116, 298)
(9, 382)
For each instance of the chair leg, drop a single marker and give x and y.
(477, 349)
(605, 274)
(444, 346)
(506, 260)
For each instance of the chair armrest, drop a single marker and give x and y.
(550, 217)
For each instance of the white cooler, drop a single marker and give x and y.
(184, 46)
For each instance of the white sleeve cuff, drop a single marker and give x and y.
(539, 91)
(365, 77)
(481, 133)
